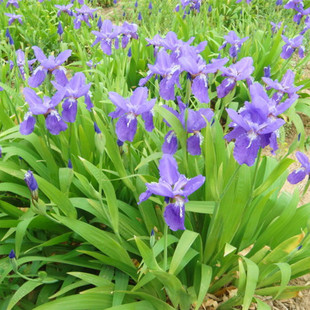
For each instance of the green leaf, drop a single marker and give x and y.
(261, 305)
(204, 207)
(22, 291)
(251, 282)
(205, 280)
(147, 254)
(79, 302)
(185, 242)
(108, 191)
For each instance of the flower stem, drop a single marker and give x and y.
(165, 246)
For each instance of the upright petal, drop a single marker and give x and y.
(168, 169)
(39, 54)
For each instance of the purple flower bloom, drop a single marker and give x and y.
(256, 125)
(150, 6)
(298, 175)
(307, 26)
(74, 89)
(291, 46)
(38, 106)
(136, 4)
(127, 111)
(83, 14)
(294, 4)
(14, 17)
(32, 184)
(129, 31)
(286, 86)
(300, 14)
(169, 68)
(197, 67)
(192, 121)
(139, 16)
(279, 2)
(176, 187)
(50, 64)
(276, 27)
(13, 3)
(64, 9)
(193, 4)
(108, 32)
(235, 42)
(241, 70)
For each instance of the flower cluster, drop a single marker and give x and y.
(257, 124)
(70, 91)
(192, 121)
(109, 33)
(175, 187)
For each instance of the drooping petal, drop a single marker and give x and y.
(148, 120)
(174, 216)
(165, 91)
(246, 149)
(200, 88)
(297, 176)
(225, 87)
(145, 196)
(37, 77)
(126, 128)
(303, 159)
(168, 169)
(54, 123)
(170, 146)
(193, 145)
(27, 126)
(69, 110)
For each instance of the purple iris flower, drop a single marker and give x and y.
(13, 3)
(279, 2)
(193, 4)
(176, 187)
(74, 89)
(197, 67)
(139, 16)
(136, 4)
(169, 68)
(127, 111)
(129, 31)
(294, 4)
(241, 70)
(291, 45)
(50, 64)
(256, 125)
(64, 9)
(300, 14)
(235, 42)
(83, 14)
(13, 18)
(298, 175)
(32, 184)
(8, 35)
(150, 7)
(20, 55)
(108, 32)
(196, 120)
(286, 86)
(54, 122)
